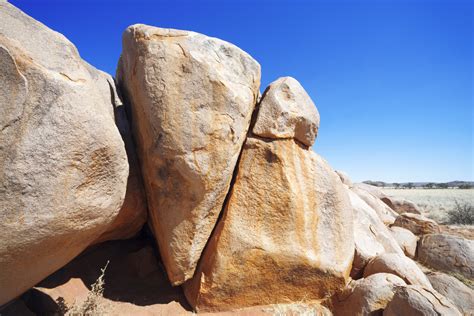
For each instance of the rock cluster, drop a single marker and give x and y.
(243, 212)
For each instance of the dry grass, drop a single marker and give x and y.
(302, 307)
(93, 305)
(436, 203)
(293, 310)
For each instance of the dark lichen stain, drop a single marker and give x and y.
(270, 156)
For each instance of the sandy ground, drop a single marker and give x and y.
(435, 202)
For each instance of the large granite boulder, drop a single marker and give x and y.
(417, 224)
(405, 239)
(457, 292)
(447, 253)
(417, 300)
(399, 265)
(63, 166)
(368, 296)
(286, 233)
(287, 111)
(191, 98)
(371, 236)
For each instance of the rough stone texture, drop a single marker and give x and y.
(416, 300)
(457, 292)
(133, 213)
(401, 205)
(286, 111)
(371, 236)
(405, 239)
(368, 296)
(447, 253)
(417, 224)
(385, 213)
(191, 100)
(286, 233)
(399, 265)
(344, 178)
(63, 166)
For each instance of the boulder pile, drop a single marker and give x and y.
(181, 145)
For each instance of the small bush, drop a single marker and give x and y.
(92, 305)
(461, 214)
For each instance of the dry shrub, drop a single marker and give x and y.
(94, 303)
(461, 214)
(293, 310)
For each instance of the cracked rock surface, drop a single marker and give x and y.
(286, 232)
(447, 253)
(190, 99)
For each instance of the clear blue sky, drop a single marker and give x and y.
(392, 79)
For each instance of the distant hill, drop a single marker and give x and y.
(430, 185)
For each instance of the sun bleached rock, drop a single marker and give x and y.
(399, 265)
(447, 253)
(344, 178)
(63, 166)
(371, 236)
(368, 296)
(287, 111)
(191, 99)
(385, 213)
(417, 300)
(375, 191)
(405, 239)
(285, 234)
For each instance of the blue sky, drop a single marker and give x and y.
(392, 79)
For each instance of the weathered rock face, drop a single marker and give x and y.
(457, 292)
(416, 300)
(368, 296)
(385, 213)
(399, 265)
(447, 253)
(191, 100)
(417, 224)
(405, 239)
(371, 236)
(63, 166)
(285, 235)
(286, 111)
